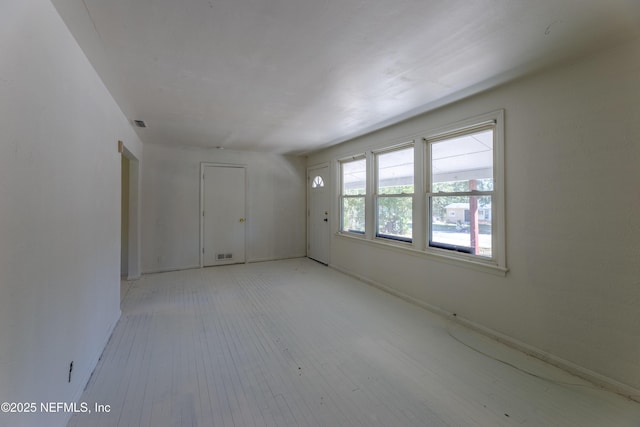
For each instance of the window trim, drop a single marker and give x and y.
(399, 247)
(420, 240)
(342, 196)
(376, 195)
(494, 120)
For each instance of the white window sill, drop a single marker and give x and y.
(432, 254)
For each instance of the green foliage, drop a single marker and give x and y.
(353, 214)
(457, 186)
(355, 191)
(439, 203)
(396, 189)
(395, 216)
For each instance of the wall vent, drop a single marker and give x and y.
(228, 256)
(140, 123)
(220, 257)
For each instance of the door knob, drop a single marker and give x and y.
(242, 220)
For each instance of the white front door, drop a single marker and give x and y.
(223, 214)
(318, 209)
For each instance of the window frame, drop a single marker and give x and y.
(343, 196)
(421, 217)
(495, 121)
(377, 196)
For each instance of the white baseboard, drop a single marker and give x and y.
(249, 261)
(267, 259)
(96, 357)
(169, 270)
(93, 364)
(577, 370)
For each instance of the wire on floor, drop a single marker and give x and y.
(518, 368)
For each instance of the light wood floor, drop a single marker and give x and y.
(294, 343)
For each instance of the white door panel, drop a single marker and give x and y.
(319, 221)
(223, 215)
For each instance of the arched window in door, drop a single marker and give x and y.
(317, 182)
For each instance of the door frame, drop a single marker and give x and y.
(134, 235)
(247, 214)
(329, 188)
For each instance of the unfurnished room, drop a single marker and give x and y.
(319, 213)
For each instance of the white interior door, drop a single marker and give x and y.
(223, 215)
(318, 208)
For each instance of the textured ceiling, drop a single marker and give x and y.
(290, 76)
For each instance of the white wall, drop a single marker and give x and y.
(572, 143)
(59, 211)
(171, 205)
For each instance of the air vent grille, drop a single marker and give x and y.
(140, 123)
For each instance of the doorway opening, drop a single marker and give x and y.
(129, 216)
(124, 220)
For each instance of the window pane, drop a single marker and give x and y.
(354, 177)
(395, 172)
(395, 217)
(353, 214)
(318, 182)
(462, 224)
(460, 163)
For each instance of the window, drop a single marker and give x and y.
(317, 182)
(353, 174)
(453, 211)
(394, 193)
(461, 191)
